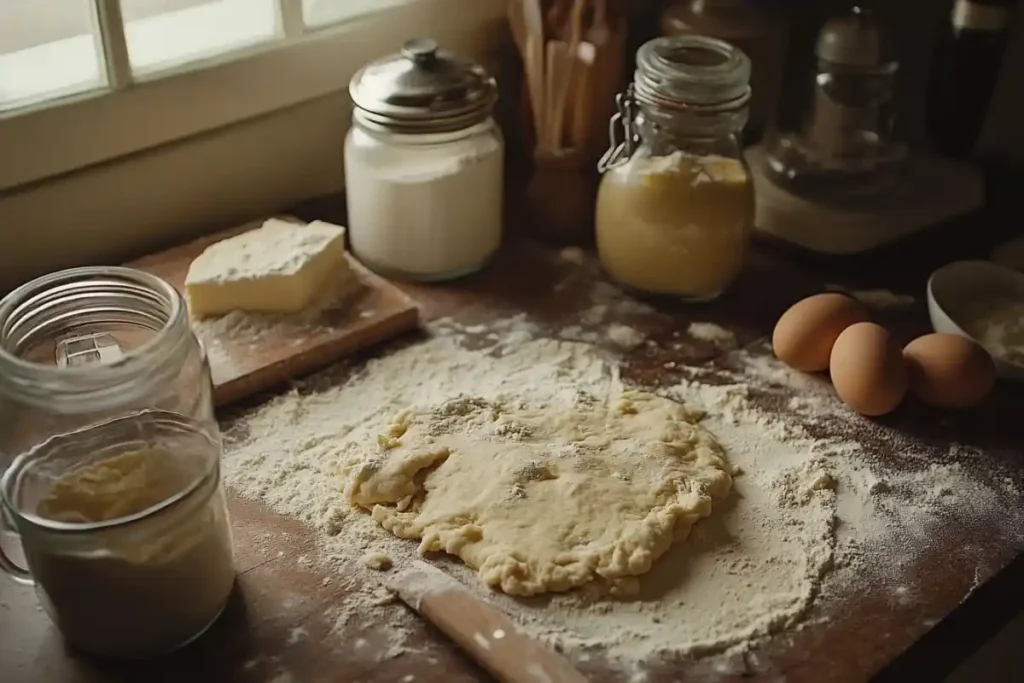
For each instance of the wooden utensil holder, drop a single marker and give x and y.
(560, 197)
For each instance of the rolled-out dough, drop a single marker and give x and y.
(545, 498)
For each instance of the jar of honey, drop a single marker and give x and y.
(110, 455)
(675, 208)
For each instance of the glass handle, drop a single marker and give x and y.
(7, 565)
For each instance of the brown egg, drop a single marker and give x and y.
(805, 334)
(867, 369)
(949, 371)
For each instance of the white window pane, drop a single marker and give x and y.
(323, 12)
(48, 49)
(163, 34)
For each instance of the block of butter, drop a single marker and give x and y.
(280, 267)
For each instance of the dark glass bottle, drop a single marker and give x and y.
(964, 72)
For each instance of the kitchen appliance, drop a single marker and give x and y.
(841, 180)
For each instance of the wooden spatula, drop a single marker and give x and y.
(484, 633)
(559, 82)
(535, 65)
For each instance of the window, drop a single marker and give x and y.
(47, 49)
(86, 81)
(324, 12)
(162, 34)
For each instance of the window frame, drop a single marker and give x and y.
(58, 137)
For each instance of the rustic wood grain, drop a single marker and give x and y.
(243, 367)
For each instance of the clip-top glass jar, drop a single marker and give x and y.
(111, 460)
(424, 165)
(676, 205)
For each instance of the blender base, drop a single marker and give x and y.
(930, 191)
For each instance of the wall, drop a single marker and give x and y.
(116, 210)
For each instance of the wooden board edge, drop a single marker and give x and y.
(245, 386)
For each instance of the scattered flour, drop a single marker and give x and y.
(573, 255)
(713, 334)
(246, 326)
(615, 301)
(626, 336)
(236, 334)
(239, 325)
(811, 516)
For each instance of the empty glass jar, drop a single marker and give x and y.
(111, 460)
(676, 205)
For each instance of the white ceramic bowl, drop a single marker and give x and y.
(955, 286)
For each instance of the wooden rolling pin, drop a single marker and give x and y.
(484, 633)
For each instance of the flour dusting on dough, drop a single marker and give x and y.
(546, 498)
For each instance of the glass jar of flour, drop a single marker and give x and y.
(424, 165)
(110, 454)
(675, 210)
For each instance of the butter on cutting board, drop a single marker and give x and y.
(280, 267)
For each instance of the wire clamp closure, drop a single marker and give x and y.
(621, 150)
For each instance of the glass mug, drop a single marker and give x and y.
(112, 461)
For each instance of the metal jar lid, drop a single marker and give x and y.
(422, 89)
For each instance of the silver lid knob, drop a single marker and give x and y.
(420, 50)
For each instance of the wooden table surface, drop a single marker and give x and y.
(279, 596)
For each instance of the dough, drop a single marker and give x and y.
(545, 498)
(378, 561)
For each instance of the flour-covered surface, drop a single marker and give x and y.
(842, 542)
(838, 528)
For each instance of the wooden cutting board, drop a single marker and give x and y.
(249, 354)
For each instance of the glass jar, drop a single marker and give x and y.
(111, 458)
(754, 26)
(675, 209)
(424, 166)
